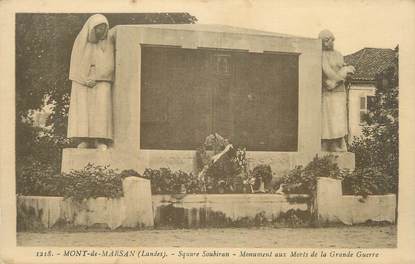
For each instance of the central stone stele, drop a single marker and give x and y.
(176, 84)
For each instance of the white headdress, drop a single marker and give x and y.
(84, 47)
(325, 34)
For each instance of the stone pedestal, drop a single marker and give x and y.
(139, 160)
(329, 200)
(137, 195)
(75, 159)
(334, 207)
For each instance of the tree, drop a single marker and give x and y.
(43, 49)
(378, 148)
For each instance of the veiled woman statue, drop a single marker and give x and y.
(92, 74)
(334, 113)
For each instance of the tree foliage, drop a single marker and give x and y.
(378, 147)
(303, 179)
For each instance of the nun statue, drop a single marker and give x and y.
(92, 73)
(333, 110)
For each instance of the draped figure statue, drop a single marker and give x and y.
(333, 109)
(92, 74)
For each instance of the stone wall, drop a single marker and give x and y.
(175, 211)
(222, 210)
(334, 207)
(134, 209)
(139, 209)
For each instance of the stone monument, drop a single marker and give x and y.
(176, 84)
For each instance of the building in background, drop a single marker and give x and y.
(368, 62)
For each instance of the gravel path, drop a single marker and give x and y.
(339, 237)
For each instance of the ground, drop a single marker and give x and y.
(339, 237)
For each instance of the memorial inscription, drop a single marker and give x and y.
(250, 98)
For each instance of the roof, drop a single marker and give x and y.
(369, 62)
(216, 28)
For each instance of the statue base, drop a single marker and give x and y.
(76, 158)
(280, 162)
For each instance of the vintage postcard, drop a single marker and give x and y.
(207, 131)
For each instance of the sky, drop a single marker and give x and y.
(356, 24)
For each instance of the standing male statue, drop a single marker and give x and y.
(334, 112)
(92, 74)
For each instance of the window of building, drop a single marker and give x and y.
(362, 103)
(364, 107)
(371, 103)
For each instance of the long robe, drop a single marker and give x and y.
(333, 108)
(90, 109)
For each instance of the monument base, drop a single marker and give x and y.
(280, 162)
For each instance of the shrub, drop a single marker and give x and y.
(91, 182)
(164, 181)
(37, 179)
(362, 181)
(101, 181)
(127, 173)
(38, 160)
(304, 179)
(367, 181)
